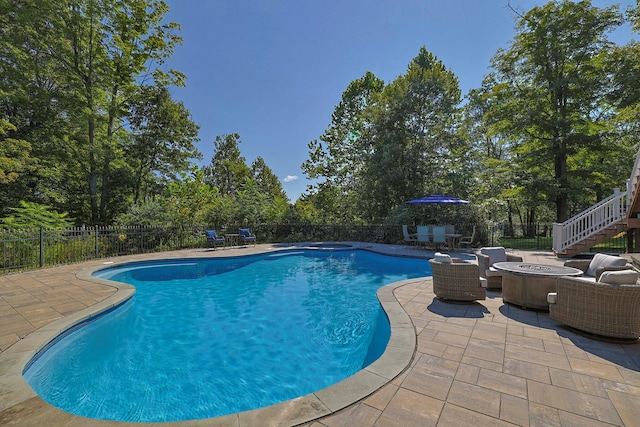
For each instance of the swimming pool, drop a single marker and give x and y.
(195, 340)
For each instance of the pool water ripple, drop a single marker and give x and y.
(203, 338)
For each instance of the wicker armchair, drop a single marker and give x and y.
(457, 280)
(597, 308)
(493, 276)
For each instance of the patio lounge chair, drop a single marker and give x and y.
(245, 236)
(456, 280)
(413, 237)
(600, 263)
(489, 256)
(213, 239)
(600, 308)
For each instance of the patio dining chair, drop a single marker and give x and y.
(409, 237)
(423, 235)
(468, 240)
(439, 236)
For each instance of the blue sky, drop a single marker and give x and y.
(274, 70)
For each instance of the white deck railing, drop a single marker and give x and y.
(587, 223)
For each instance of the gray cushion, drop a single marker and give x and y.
(622, 277)
(602, 260)
(443, 258)
(496, 254)
(492, 272)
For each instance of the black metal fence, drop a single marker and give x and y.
(28, 249)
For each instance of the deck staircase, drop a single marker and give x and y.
(601, 221)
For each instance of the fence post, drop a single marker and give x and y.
(41, 246)
(97, 250)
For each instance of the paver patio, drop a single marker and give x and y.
(486, 363)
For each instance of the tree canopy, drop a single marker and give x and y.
(91, 133)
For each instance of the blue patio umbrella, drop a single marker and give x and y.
(438, 199)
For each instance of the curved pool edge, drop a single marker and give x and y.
(15, 391)
(20, 398)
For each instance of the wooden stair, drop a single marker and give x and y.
(591, 241)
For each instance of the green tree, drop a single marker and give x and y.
(84, 60)
(549, 98)
(228, 170)
(337, 160)
(266, 181)
(162, 140)
(15, 155)
(31, 215)
(414, 138)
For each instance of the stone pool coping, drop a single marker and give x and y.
(397, 357)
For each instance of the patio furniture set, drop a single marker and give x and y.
(434, 236)
(243, 236)
(599, 297)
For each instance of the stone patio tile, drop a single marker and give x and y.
(514, 410)
(567, 419)
(65, 308)
(503, 383)
(455, 416)
(613, 356)
(554, 347)
(543, 416)
(358, 415)
(574, 352)
(578, 382)
(522, 341)
(494, 333)
(454, 353)
(382, 397)
(572, 401)
(430, 347)
(37, 412)
(543, 334)
(628, 406)
(527, 370)
(625, 388)
(426, 334)
(415, 308)
(596, 369)
(21, 301)
(630, 376)
(8, 340)
(515, 329)
(482, 363)
(431, 376)
(538, 357)
(485, 350)
(467, 373)
(408, 408)
(451, 339)
(449, 327)
(475, 398)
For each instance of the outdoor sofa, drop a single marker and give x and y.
(609, 307)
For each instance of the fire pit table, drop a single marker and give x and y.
(527, 284)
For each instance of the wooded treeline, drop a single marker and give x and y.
(91, 134)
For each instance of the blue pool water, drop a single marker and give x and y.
(207, 337)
